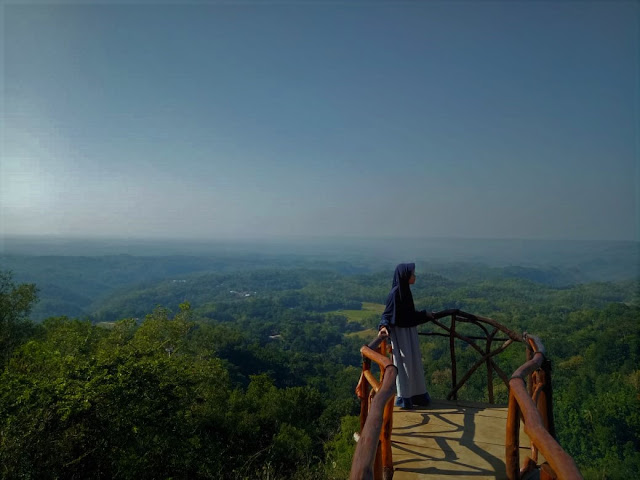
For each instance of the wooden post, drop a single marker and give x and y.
(364, 458)
(452, 349)
(548, 398)
(553, 453)
(489, 369)
(383, 351)
(387, 426)
(529, 354)
(377, 463)
(363, 394)
(512, 442)
(385, 440)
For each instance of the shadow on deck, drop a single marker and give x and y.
(463, 440)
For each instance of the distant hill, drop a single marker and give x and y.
(587, 260)
(111, 287)
(78, 278)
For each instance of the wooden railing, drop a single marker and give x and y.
(534, 406)
(372, 458)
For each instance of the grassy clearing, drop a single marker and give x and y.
(369, 313)
(362, 316)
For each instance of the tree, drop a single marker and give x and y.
(15, 305)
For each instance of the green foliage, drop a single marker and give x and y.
(156, 400)
(89, 402)
(16, 302)
(598, 394)
(257, 378)
(341, 447)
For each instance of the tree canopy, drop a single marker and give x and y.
(252, 375)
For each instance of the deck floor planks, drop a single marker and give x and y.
(463, 440)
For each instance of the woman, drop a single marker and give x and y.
(399, 321)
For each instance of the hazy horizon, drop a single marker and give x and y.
(619, 256)
(321, 120)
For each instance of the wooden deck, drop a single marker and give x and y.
(459, 440)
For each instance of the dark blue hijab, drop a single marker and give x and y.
(401, 280)
(400, 310)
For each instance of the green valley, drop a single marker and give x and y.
(218, 370)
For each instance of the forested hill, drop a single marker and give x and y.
(74, 286)
(191, 369)
(106, 287)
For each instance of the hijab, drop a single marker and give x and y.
(401, 280)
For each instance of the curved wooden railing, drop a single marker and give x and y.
(534, 406)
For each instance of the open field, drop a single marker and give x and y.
(364, 317)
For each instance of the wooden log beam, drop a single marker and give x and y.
(512, 441)
(472, 337)
(488, 363)
(484, 359)
(498, 370)
(460, 314)
(476, 323)
(373, 381)
(561, 463)
(558, 459)
(452, 351)
(382, 361)
(385, 440)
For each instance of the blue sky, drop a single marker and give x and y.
(366, 119)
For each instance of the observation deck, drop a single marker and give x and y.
(460, 439)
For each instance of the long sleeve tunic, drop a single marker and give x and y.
(401, 314)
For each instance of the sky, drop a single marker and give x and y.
(223, 120)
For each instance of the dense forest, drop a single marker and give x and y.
(194, 367)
